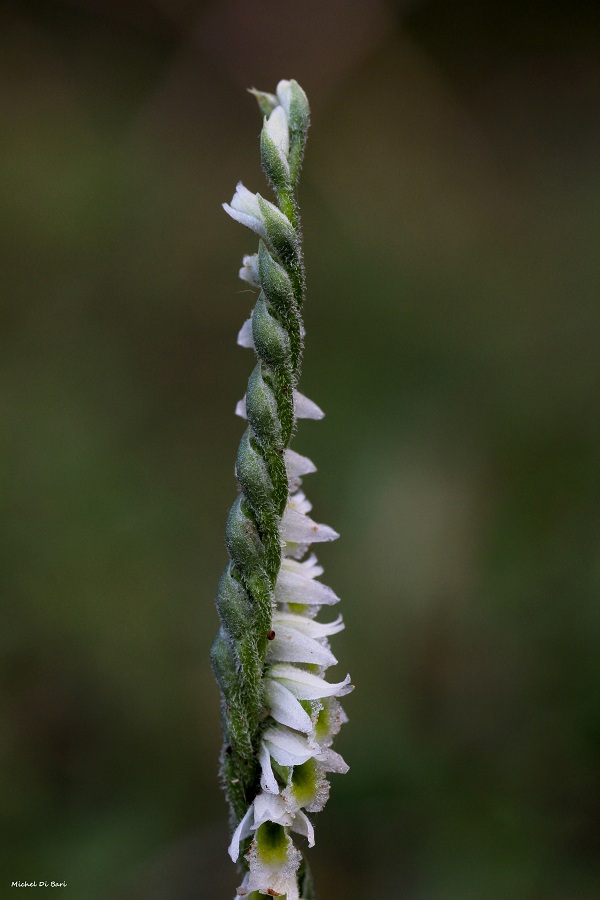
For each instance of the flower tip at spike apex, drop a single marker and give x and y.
(266, 102)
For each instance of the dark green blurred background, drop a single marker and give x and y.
(451, 206)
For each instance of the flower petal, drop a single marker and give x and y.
(270, 808)
(307, 626)
(294, 588)
(299, 502)
(244, 338)
(333, 762)
(287, 748)
(290, 645)
(309, 567)
(299, 528)
(273, 861)
(242, 831)
(306, 686)
(303, 825)
(268, 782)
(297, 465)
(305, 408)
(286, 709)
(249, 270)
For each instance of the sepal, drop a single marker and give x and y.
(266, 102)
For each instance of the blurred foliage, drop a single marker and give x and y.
(451, 203)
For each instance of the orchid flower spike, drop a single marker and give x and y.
(280, 713)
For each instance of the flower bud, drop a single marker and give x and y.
(261, 409)
(270, 339)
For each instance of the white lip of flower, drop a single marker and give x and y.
(303, 407)
(287, 887)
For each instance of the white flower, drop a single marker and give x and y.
(245, 209)
(305, 763)
(294, 751)
(272, 857)
(285, 687)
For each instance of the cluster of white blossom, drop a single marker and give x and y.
(302, 710)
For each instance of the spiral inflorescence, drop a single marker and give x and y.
(279, 714)
(245, 593)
